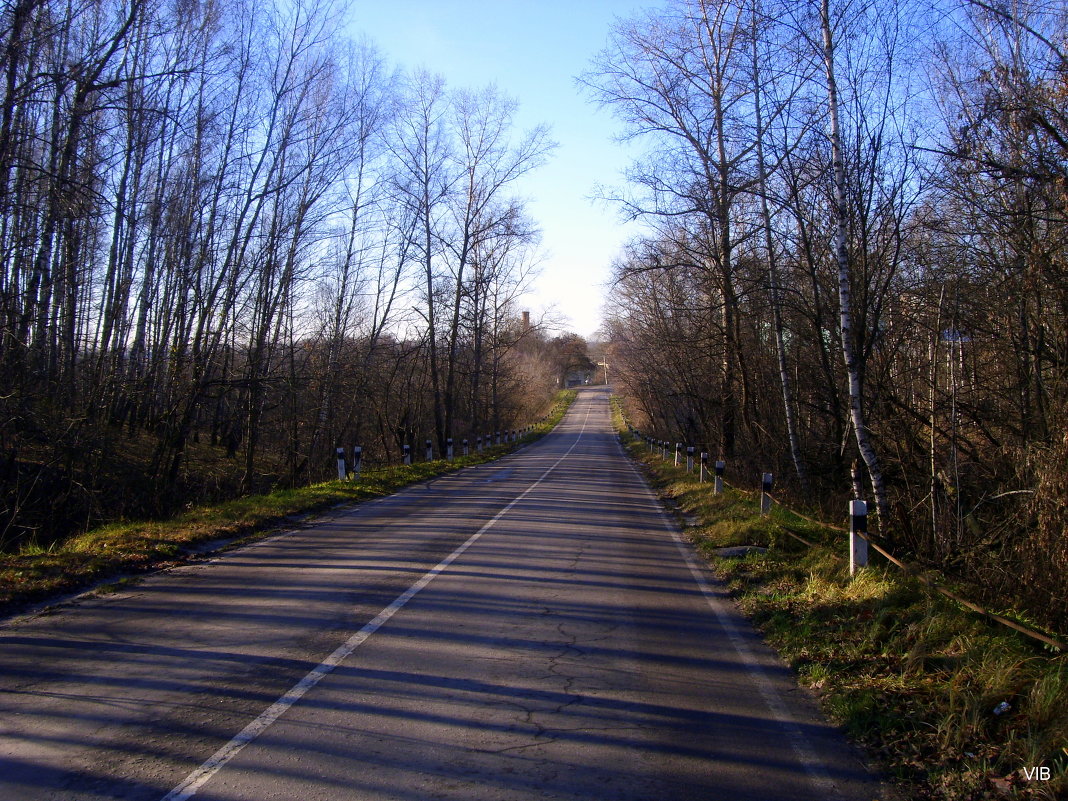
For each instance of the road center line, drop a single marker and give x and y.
(195, 780)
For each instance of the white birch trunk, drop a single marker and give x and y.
(856, 408)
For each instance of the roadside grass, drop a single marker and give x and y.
(911, 676)
(36, 573)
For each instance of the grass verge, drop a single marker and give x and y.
(948, 705)
(35, 574)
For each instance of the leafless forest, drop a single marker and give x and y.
(857, 271)
(231, 240)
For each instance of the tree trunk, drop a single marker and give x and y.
(841, 249)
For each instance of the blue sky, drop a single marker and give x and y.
(532, 50)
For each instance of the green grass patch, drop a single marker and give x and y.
(38, 573)
(910, 675)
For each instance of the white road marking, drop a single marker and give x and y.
(199, 777)
(813, 766)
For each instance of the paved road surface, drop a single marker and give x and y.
(527, 629)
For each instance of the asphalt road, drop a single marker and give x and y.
(533, 628)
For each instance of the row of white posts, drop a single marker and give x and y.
(663, 446)
(347, 467)
(858, 509)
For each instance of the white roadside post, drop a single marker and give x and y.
(430, 450)
(478, 443)
(689, 459)
(357, 459)
(765, 496)
(498, 438)
(466, 449)
(720, 467)
(448, 449)
(704, 465)
(678, 450)
(407, 454)
(858, 529)
(342, 469)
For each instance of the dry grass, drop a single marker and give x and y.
(915, 679)
(38, 573)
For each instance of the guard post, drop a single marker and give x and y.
(858, 530)
(765, 493)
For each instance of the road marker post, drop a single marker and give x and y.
(765, 496)
(342, 468)
(357, 460)
(704, 466)
(430, 450)
(689, 459)
(466, 449)
(448, 449)
(478, 443)
(407, 454)
(858, 529)
(720, 467)
(678, 449)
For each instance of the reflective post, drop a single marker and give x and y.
(765, 497)
(858, 530)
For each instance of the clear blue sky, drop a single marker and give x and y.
(532, 50)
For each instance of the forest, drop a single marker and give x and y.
(231, 240)
(856, 271)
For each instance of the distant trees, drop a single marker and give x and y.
(223, 230)
(858, 223)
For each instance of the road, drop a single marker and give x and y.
(532, 628)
